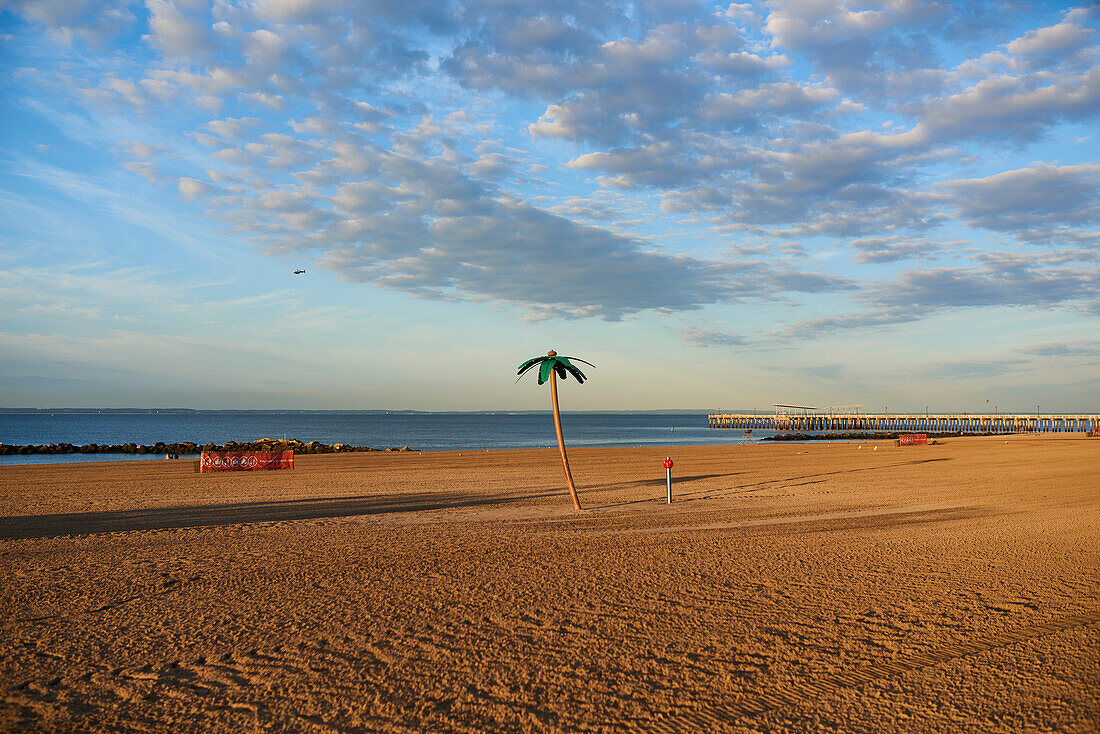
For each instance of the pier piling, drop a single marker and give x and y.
(928, 422)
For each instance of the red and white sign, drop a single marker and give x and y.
(912, 439)
(211, 461)
(668, 463)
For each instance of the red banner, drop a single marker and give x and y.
(210, 461)
(912, 439)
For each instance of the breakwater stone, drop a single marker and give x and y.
(187, 448)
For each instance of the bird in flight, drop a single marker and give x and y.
(298, 272)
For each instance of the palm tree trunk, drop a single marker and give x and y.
(561, 441)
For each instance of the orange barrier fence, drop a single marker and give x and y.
(211, 461)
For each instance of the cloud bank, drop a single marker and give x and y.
(559, 162)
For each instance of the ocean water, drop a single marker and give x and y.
(420, 431)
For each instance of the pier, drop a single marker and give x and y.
(908, 422)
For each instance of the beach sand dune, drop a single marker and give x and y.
(819, 587)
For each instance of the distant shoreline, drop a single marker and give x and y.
(188, 448)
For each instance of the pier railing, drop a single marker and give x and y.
(931, 423)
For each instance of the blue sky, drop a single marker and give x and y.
(722, 206)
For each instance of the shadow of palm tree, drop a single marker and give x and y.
(86, 523)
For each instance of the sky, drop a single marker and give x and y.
(721, 206)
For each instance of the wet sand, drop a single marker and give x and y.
(787, 588)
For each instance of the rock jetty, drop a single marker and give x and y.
(187, 448)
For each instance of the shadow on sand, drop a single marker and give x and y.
(659, 481)
(683, 494)
(817, 476)
(86, 523)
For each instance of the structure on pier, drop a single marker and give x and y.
(782, 420)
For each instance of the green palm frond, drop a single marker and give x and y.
(576, 359)
(577, 374)
(529, 364)
(559, 365)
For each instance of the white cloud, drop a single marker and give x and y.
(754, 106)
(1061, 38)
(294, 11)
(175, 34)
(1011, 107)
(232, 128)
(191, 189)
(711, 337)
(93, 21)
(1016, 284)
(1027, 198)
(1077, 348)
(265, 99)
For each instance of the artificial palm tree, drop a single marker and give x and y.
(553, 366)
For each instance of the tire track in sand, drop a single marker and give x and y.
(720, 716)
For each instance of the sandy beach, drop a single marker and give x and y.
(814, 587)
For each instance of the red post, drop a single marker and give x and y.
(668, 477)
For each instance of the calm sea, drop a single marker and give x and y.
(422, 431)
